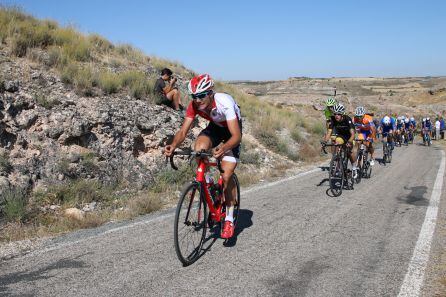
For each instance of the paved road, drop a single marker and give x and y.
(293, 240)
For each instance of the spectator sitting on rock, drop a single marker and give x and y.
(169, 93)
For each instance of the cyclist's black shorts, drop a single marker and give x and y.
(219, 134)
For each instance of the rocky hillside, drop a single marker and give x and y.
(50, 133)
(80, 127)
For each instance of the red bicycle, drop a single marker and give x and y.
(201, 205)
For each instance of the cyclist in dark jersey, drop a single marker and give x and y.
(342, 130)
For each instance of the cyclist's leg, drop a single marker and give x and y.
(371, 150)
(229, 189)
(360, 136)
(203, 142)
(228, 164)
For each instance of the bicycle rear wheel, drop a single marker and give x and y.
(360, 162)
(190, 223)
(336, 175)
(389, 155)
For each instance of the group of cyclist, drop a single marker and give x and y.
(342, 129)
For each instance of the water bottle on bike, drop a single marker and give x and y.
(211, 185)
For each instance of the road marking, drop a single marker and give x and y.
(413, 281)
(155, 218)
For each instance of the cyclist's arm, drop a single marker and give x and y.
(236, 135)
(352, 135)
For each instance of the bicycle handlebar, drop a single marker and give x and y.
(325, 144)
(201, 154)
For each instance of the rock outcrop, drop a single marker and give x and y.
(49, 133)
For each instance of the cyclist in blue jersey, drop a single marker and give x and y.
(387, 127)
(399, 129)
(413, 123)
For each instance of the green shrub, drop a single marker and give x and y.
(69, 73)
(80, 50)
(250, 157)
(46, 102)
(296, 135)
(168, 179)
(74, 193)
(85, 80)
(145, 203)
(15, 203)
(56, 57)
(318, 128)
(137, 83)
(88, 161)
(63, 166)
(5, 164)
(2, 85)
(19, 45)
(63, 36)
(109, 82)
(100, 43)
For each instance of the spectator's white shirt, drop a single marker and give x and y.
(437, 125)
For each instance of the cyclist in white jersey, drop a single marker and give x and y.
(224, 134)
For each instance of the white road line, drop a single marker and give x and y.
(162, 217)
(413, 280)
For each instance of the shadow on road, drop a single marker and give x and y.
(323, 181)
(244, 221)
(45, 272)
(415, 197)
(380, 161)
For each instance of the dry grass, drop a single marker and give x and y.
(268, 120)
(75, 54)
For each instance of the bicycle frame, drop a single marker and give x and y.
(214, 210)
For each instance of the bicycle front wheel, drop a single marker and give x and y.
(336, 175)
(190, 223)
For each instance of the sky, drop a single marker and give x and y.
(269, 40)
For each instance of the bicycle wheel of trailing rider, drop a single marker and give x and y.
(389, 155)
(190, 223)
(348, 174)
(336, 175)
(360, 162)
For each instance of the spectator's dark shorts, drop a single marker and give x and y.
(163, 100)
(218, 135)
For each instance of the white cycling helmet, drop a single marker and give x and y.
(399, 118)
(424, 119)
(412, 119)
(406, 120)
(428, 119)
(339, 108)
(360, 111)
(386, 120)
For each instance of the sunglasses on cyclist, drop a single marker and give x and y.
(200, 96)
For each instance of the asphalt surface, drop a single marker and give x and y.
(292, 240)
